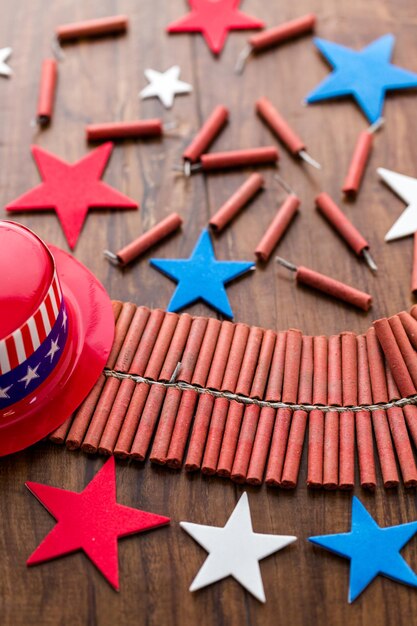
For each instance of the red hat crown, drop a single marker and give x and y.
(33, 319)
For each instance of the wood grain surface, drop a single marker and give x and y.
(100, 81)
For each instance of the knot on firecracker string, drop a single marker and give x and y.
(293, 406)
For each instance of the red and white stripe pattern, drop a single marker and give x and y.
(24, 341)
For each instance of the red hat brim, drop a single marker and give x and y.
(90, 337)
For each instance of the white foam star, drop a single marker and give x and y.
(165, 85)
(235, 550)
(31, 374)
(406, 188)
(5, 70)
(54, 349)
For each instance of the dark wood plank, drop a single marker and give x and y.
(99, 82)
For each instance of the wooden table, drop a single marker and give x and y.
(99, 81)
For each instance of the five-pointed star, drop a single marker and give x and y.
(54, 349)
(3, 392)
(235, 550)
(201, 277)
(5, 70)
(91, 521)
(372, 550)
(64, 320)
(366, 75)
(31, 374)
(72, 189)
(214, 19)
(406, 188)
(165, 85)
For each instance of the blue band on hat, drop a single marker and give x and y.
(26, 377)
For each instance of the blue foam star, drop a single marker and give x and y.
(201, 277)
(372, 550)
(366, 75)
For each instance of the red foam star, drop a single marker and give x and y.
(214, 18)
(72, 189)
(90, 521)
